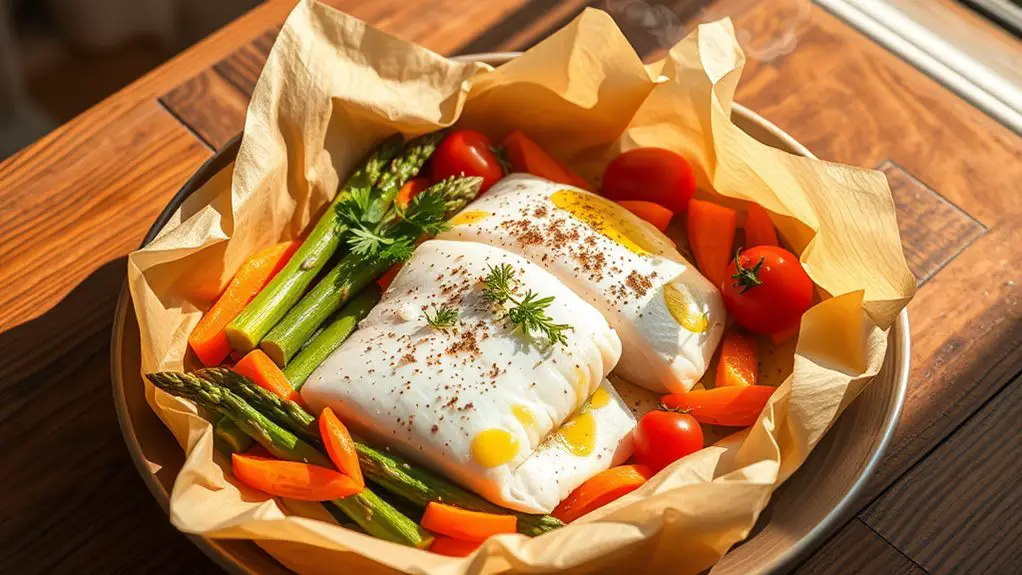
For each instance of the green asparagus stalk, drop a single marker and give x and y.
(391, 472)
(419, 486)
(380, 519)
(278, 441)
(331, 337)
(348, 277)
(274, 300)
(375, 516)
(229, 438)
(351, 274)
(402, 169)
(286, 414)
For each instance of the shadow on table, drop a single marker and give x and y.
(71, 498)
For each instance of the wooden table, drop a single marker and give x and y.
(946, 499)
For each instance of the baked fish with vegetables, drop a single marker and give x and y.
(472, 364)
(669, 317)
(486, 376)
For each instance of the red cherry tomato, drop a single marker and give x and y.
(650, 175)
(766, 290)
(466, 152)
(663, 436)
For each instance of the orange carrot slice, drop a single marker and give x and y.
(728, 406)
(759, 230)
(388, 277)
(711, 235)
(412, 188)
(452, 547)
(258, 367)
(739, 359)
(340, 446)
(292, 479)
(655, 214)
(601, 489)
(209, 339)
(526, 156)
(464, 524)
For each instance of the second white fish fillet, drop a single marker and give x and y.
(669, 317)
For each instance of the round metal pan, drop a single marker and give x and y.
(811, 505)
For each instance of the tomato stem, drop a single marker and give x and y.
(502, 159)
(746, 277)
(664, 407)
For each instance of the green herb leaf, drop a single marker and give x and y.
(443, 317)
(427, 212)
(351, 210)
(498, 284)
(399, 250)
(527, 313)
(367, 243)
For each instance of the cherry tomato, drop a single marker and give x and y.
(766, 290)
(466, 152)
(663, 436)
(650, 175)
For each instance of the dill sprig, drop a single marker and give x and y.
(527, 313)
(443, 317)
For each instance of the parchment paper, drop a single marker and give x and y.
(333, 87)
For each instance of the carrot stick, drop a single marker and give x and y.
(655, 214)
(209, 338)
(412, 188)
(711, 234)
(728, 406)
(292, 479)
(452, 547)
(739, 359)
(759, 230)
(339, 445)
(387, 278)
(601, 489)
(464, 524)
(526, 156)
(258, 367)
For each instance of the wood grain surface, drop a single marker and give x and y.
(955, 519)
(933, 230)
(858, 549)
(210, 105)
(72, 205)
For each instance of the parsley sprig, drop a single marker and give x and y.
(444, 317)
(527, 313)
(394, 239)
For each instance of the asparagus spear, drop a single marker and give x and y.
(356, 271)
(286, 414)
(229, 438)
(350, 275)
(278, 441)
(375, 516)
(331, 336)
(274, 300)
(389, 471)
(419, 486)
(401, 170)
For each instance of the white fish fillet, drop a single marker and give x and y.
(669, 317)
(475, 402)
(563, 461)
